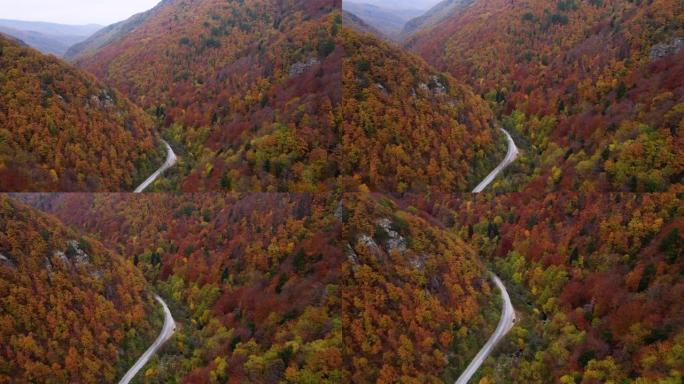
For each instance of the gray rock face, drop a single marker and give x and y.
(662, 50)
(7, 261)
(340, 211)
(437, 86)
(80, 256)
(395, 242)
(73, 255)
(352, 256)
(301, 67)
(368, 242)
(392, 242)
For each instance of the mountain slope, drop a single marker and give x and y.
(408, 127)
(250, 97)
(267, 285)
(60, 129)
(593, 89)
(415, 298)
(351, 21)
(108, 34)
(253, 279)
(441, 11)
(230, 81)
(71, 310)
(596, 277)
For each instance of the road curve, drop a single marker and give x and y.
(166, 333)
(171, 159)
(507, 312)
(505, 325)
(511, 155)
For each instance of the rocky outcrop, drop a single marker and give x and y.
(662, 50)
(7, 261)
(73, 255)
(300, 67)
(395, 242)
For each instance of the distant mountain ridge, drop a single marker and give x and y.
(110, 34)
(50, 38)
(423, 5)
(389, 20)
(354, 22)
(436, 14)
(52, 28)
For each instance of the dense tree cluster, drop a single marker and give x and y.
(254, 280)
(266, 285)
(594, 89)
(61, 129)
(335, 282)
(266, 95)
(244, 89)
(412, 297)
(407, 127)
(70, 310)
(597, 279)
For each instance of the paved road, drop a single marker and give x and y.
(166, 333)
(170, 162)
(507, 313)
(511, 155)
(505, 325)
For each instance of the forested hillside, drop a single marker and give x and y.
(593, 90)
(416, 301)
(597, 279)
(266, 285)
(244, 89)
(61, 129)
(70, 310)
(408, 127)
(109, 34)
(253, 280)
(250, 94)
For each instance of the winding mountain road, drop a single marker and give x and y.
(511, 155)
(507, 319)
(505, 325)
(166, 333)
(171, 159)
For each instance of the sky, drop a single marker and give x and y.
(103, 12)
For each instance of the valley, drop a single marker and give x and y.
(328, 191)
(48, 38)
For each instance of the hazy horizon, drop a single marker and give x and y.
(399, 4)
(73, 12)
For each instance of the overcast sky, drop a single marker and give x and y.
(102, 12)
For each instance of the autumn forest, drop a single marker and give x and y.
(343, 191)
